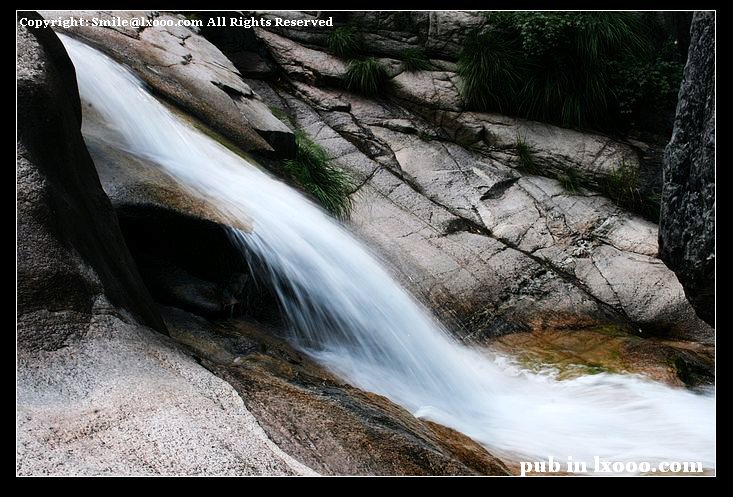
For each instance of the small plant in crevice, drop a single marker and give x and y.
(414, 60)
(651, 206)
(366, 76)
(313, 170)
(622, 185)
(524, 154)
(344, 41)
(569, 180)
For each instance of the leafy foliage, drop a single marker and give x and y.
(579, 69)
(313, 170)
(366, 76)
(344, 41)
(414, 60)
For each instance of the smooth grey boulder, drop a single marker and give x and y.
(687, 226)
(302, 63)
(448, 31)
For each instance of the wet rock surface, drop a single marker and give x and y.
(495, 249)
(332, 427)
(512, 258)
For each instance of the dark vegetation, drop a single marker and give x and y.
(414, 60)
(313, 170)
(603, 70)
(366, 76)
(344, 41)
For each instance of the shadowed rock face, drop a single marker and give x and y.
(687, 228)
(70, 248)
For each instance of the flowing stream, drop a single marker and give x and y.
(347, 312)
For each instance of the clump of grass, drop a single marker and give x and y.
(569, 180)
(524, 153)
(344, 41)
(366, 76)
(414, 60)
(312, 169)
(622, 185)
(491, 72)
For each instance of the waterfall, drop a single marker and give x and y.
(346, 311)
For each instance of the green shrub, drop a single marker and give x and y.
(366, 76)
(578, 69)
(646, 84)
(414, 60)
(491, 71)
(344, 41)
(313, 170)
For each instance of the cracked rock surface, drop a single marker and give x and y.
(495, 249)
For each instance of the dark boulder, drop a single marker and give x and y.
(687, 226)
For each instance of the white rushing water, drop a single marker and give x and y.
(347, 312)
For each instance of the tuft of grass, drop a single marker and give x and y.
(491, 72)
(622, 186)
(344, 41)
(312, 169)
(414, 60)
(569, 180)
(366, 76)
(524, 153)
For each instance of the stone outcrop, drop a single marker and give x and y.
(99, 393)
(70, 248)
(443, 196)
(493, 248)
(189, 71)
(687, 227)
